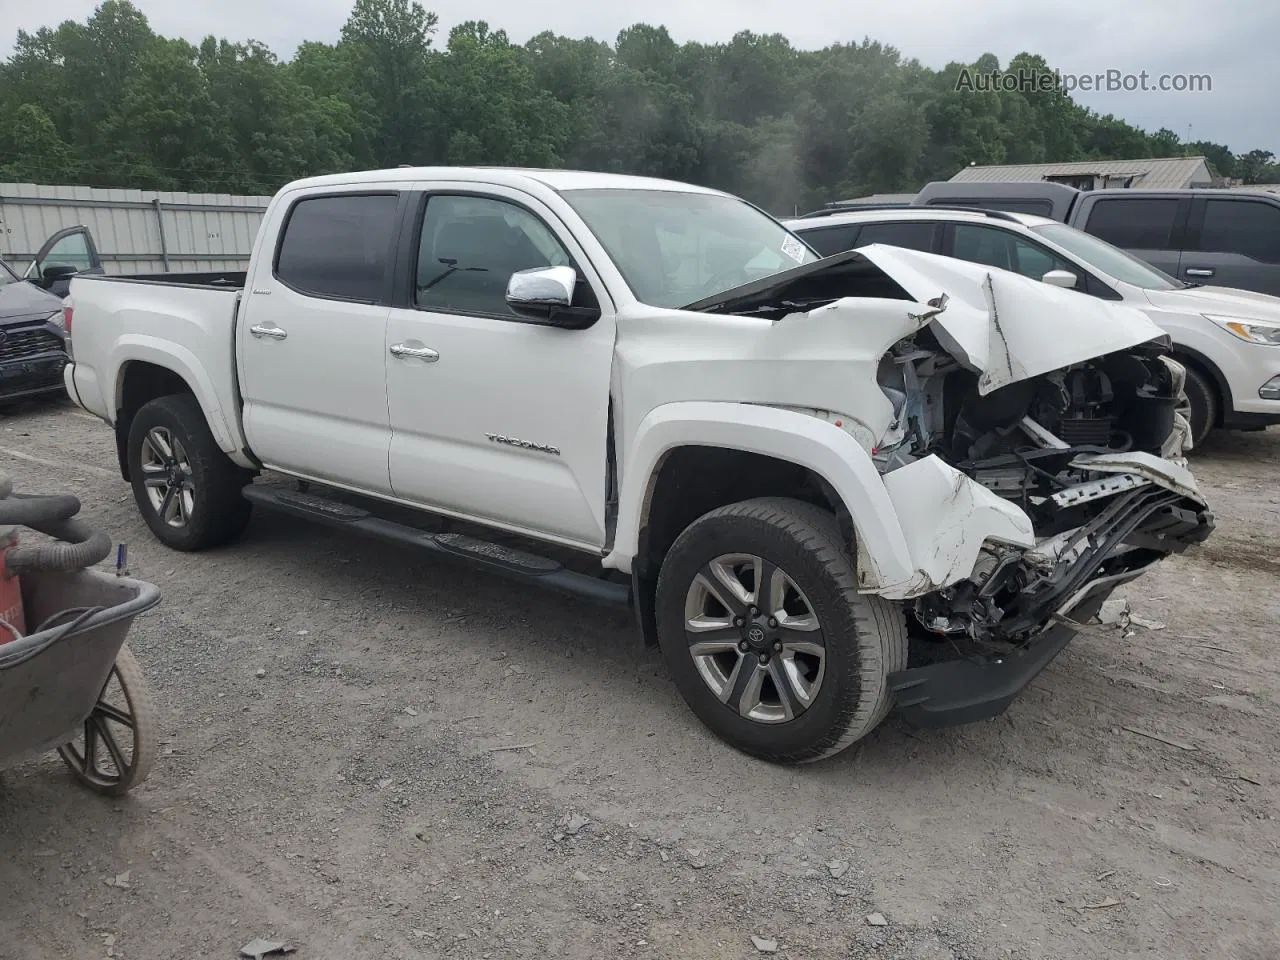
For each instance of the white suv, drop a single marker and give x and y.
(1228, 339)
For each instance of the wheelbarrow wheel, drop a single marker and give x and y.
(114, 752)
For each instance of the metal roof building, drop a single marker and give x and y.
(1162, 173)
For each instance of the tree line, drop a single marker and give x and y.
(108, 102)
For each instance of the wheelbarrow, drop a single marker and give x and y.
(70, 684)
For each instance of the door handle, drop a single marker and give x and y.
(274, 333)
(1199, 272)
(418, 353)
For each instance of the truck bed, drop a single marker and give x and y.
(125, 327)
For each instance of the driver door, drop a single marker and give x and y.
(493, 417)
(73, 246)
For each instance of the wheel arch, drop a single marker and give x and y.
(690, 458)
(1196, 360)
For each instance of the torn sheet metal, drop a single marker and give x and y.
(945, 519)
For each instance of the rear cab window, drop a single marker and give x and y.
(339, 246)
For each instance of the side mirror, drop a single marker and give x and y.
(545, 294)
(1060, 278)
(540, 287)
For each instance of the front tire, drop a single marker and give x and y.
(766, 636)
(188, 491)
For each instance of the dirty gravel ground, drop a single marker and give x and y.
(353, 800)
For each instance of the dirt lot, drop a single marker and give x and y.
(355, 802)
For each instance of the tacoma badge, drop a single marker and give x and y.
(527, 444)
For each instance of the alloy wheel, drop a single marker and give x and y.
(755, 638)
(167, 475)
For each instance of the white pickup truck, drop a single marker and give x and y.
(826, 486)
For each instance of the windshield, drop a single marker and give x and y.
(6, 275)
(674, 247)
(1107, 259)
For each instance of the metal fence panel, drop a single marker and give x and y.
(136, 231)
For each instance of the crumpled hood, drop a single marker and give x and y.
(1008, 327)
(1002, 325)
(26, 300)
(1224, 301)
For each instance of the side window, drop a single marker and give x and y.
(915, 236)
(829, 241)
(469, 248)
(1033, 260)
(1247, 227)
(986, 245)
(1134, 223)
(1008, 251)
(339, 247)
(72, 249)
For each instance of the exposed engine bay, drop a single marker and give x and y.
(1050, 445)
(1049, 418)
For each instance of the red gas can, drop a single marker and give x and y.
(14, 625)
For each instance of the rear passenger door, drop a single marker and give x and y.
(1234, 242)
(1150, 228)
(311, 337)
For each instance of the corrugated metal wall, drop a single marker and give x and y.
(136, 231)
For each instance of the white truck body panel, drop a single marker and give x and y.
(187, 330)
(327, 400)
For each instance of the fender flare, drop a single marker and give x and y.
(827, 450)
(181, 361)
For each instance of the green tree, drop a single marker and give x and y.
(389, 42)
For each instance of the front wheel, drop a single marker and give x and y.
(188, 491)
(766, 636)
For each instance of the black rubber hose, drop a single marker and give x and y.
(26, 510)
(82, 547)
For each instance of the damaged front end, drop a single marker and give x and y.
(1032, 448)
(1091, 454)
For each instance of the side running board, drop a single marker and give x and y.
(517, 564)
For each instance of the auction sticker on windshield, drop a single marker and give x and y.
(794, 249)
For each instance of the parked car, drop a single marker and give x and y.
(32, 339)
(1228, 237)
(1228, 339)
(799, 472)
(68, 252)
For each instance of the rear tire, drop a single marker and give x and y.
(187, 490)
(806, 675)
(1203, 397)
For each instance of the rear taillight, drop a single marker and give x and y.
(67, 310)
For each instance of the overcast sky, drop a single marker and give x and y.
(1232, 41)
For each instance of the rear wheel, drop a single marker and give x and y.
(766, 636)
(1203, 397)
(187, 489)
